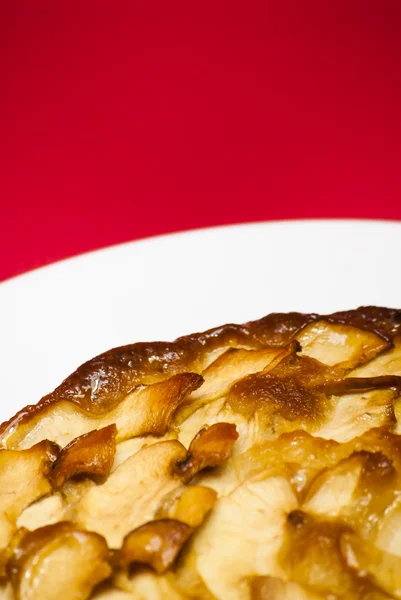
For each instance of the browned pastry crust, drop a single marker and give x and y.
(250, 462)
(102, 382)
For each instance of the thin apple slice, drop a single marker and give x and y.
(188, 504)
(57, 562)
(338, 344)
(387, 363)
(23, 479)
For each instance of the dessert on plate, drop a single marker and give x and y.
(250, 462)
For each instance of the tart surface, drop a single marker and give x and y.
(250, 462)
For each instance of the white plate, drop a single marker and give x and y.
(53, 319)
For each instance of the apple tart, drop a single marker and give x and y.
(250, 462)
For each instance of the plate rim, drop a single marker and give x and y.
(15, 279)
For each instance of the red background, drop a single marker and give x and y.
(124, 119)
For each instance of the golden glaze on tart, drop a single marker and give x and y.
(250, 462)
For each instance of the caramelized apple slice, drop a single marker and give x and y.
(130, 447)
(355, 414)
(333, 490)
(298, 455)
(57, 562)
(155, 544)
(336, 344)
(90, 454)
(388, 363)
(310, 555)
(378, 490)
(210, 447)
(145, 410)
(360, 490)
(222, 479)
(217, 412)
(23, 479)
(314, 554)
(188, 504)
(293, 390)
